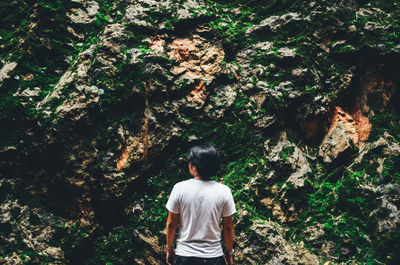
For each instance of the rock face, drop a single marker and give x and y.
(267, 245)
(28, 228)
(345, 130)
(100, 100)
(197, 58)
(287, 155)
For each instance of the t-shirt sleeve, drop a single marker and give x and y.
(172, 203)
(229, 207)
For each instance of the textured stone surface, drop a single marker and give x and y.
(345, 130)
(288, 155)
(7, 67)
(267, 245)
(35, 226)
(273, 23)
(99, 101)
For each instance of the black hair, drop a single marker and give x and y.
(206, 159)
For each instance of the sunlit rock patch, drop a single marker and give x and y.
(345, 129)
(197, 58)
(86, 14)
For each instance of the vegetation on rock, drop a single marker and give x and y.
(100, 100)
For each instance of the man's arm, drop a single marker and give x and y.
(172, 223)
(227, 223)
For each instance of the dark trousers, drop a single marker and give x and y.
(180, 260)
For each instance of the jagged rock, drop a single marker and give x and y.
(264, 46)
(33, 225)
(28, 92)
(110, 47)
(189, 9)
(276, 208)
(13, 259)
(157, 45)
(135, 54)
(138, 148)
(338, 139)
(266, 244)
(199, 61)
(197, 57)
(85, 15)
(388, 146)
(153, 253)
(248, 71)
(314, 233)
(137, 12)
(273, 23)
(389, 220)
(261, 119)
(83, 98)
(299, 72)
(291, 160)
(76, 108)
(7, 67)
(286, 52)
(83, 65)
(221, 101)
(344, 131)
(133, 75)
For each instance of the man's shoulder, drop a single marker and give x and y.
(185, 183)
(182, 183)
(222, 187)
(226, 187)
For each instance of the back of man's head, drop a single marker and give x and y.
(206, 159)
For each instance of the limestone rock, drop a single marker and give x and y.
(387, 211)
(7, 67)
(86, 14)
(221, 101)
(291, 160)
(83, 65)
(198, 61)
(33, 225)
(76, 108)
(13, 259)
(286, 52)
(189, 9)
(389, 204)
(273, 23)
(110, 47)
(266, 244)
(28, 92)
(153, 253)
(197, 57)
(137, 12)
(344, 131)
(385, 143)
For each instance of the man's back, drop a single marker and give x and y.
(201, 204)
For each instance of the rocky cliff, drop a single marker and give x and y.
(100, 100)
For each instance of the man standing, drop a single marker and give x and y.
(200, 203)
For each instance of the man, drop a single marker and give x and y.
(200, 203)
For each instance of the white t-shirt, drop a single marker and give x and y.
(201, 204)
